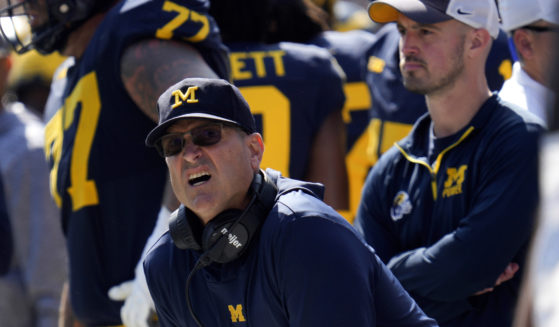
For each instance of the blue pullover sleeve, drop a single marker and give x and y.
(371, 222)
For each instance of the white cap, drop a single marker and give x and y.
(475, 13)
(518, 13)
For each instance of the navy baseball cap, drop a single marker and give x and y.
(475, 13)
(206, 98)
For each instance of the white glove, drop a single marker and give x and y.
(138, 305)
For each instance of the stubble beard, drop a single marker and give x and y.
(423, 85)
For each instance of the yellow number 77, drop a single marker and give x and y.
(184, 14)
(82, 191)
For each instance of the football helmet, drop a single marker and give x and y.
(44, 25)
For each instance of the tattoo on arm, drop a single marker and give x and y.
(149, 67)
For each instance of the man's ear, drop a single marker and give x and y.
(480, 40)
(256, 149)
(523, 43)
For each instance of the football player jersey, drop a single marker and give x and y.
(351, 50)
(394, 108)
(108, 184)
(291, 88)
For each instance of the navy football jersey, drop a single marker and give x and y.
(291, 89)
(108, 184)
(6, 243)
(351, 50)
(394, 108)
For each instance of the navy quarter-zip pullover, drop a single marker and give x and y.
(447, 215)
(307, 268)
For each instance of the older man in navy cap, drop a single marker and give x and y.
(251, 247)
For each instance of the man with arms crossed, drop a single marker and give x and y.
(450, 207)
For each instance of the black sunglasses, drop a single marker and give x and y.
(541, 29)
(171, 144)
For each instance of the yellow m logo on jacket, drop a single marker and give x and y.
(453, 183)
(237, 313)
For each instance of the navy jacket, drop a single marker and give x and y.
(448, 216)
(308, 267)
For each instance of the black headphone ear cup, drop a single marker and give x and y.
(221, 243)
(181, 231)
(214, 229)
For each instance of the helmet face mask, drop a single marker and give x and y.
(44, 25)
(15, 24)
